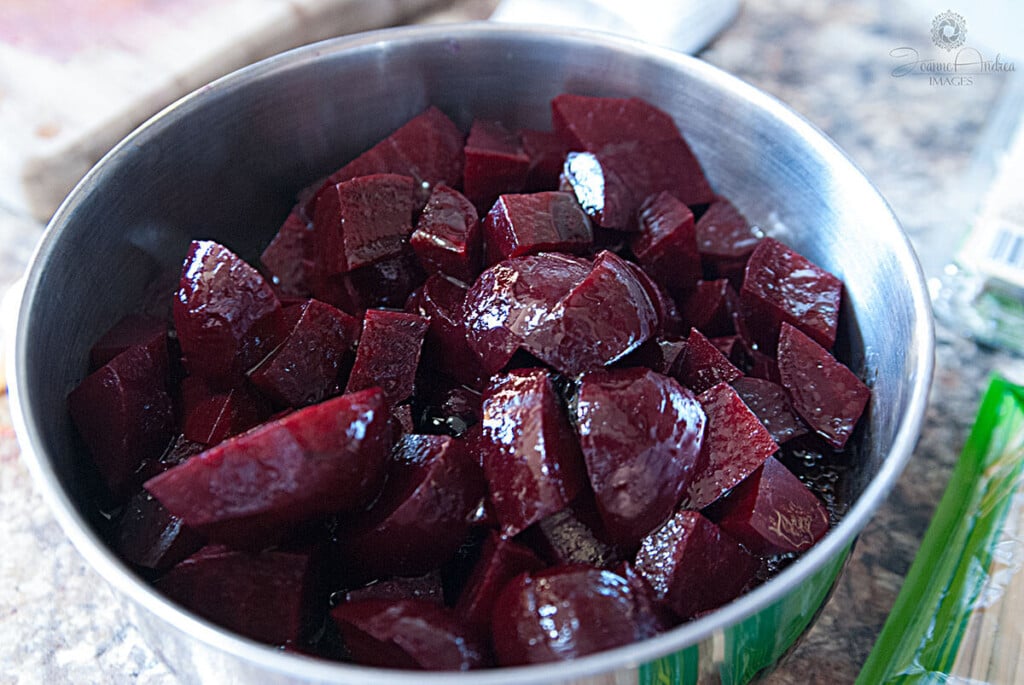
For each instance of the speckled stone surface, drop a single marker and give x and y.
(59, 622)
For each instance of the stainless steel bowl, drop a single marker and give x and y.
(225, 163)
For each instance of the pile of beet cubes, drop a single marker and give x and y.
(495, 400)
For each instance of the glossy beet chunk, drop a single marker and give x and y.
(520, 224)
(590, 123)
(445, 347)
(388, 353)
(495, 163)
(771, 404)
(226, 315)
(781, 286)
(531, 458)
(605, 317)
(151, 537)
(736, 443)
(422, 515)
(409, 634)
(564, 613)
(447, 238)
(574, 535)
(264, 596)
(124, 414)
(701, 365)
(710, 306)
(251, 490)
(772, 512)
(383, 284)
(501, 560)
(512, 299)
(288, 258)
(666, 244)
(362, 221)
(305, 368)
(547, 153)
(693, 566)
(725, 240)
(640, 433)
(825, 393)
(210, 415)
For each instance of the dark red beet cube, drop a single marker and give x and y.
(428, 587)
(574, 535)
(226, 315)
(531, 458)
(422, 515)
(288, 257)
(772, 512)
(383, 284)
(265, 596)
(447, 236)
(603, 194)
(670, 321)
(693, 566)
(251, 490)
(124, 414)
(501, 560)
(666, 244)
(604, 318)
(640, 433)
(725, 240)
(388, 353)
(441, 300)
(495, 163)
(362, 221)
(409, 634)
(701, 365)
(780, 286)
(736, 443)
(825, 393)
(710, 306)
(564, 613)
(535, 222)
(211, 415)
(510, 300)
(292, 376)
(132, 330)
(771, 404)
(655, 617)
(547, 154)
(590, 123)
(151, 537)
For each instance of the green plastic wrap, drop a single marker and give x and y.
(959, 617)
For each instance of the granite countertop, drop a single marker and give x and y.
(60, 623)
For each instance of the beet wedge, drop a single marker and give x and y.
(252, 489)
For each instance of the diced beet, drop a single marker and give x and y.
(709, 308)
(604, 195)
(725, 240)
(670, 321)
(531, 459)
(426, 587)
(422, 515)
(211, 415)
(252, 489)
(701, 365)
(655, 617)
(265, 596)
(151, 537)
(513, 298)
(409, 634)
(666, 245)
(226, 315)
(572, 536)
(564, 613)
(782, 286)
(495, 163)
(445, 347)
(304, 369)
(547, 154)
(536, 222)
(384, 284)
(447, 237)
(500, 561)
(604, 318)
(694, 566)
(772, 512)
(124, 414)
(590, 123)
(640, 433)
(736, 443)
(388, 353)
(287, 258)
(428, 148)
(658, 355)
(771, 404)
(825, 393)
(134, 329)
(763, 366)
(362, 221)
